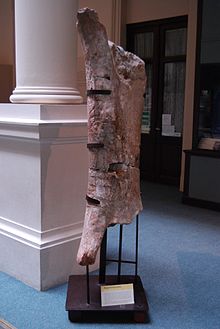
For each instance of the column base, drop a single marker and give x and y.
(41, 263)
(46, 95)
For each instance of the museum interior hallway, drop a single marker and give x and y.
(179, 264)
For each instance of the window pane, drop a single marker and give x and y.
(210, 38)
(205, 121)
(175, 42)
(209, 77)
(146, 118)
(173, 98)
(143, 44)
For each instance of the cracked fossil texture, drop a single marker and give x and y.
(115, 86)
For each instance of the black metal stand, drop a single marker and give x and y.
(84, 305)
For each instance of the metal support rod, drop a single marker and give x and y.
(87, 284)
(102, 262)
(136, 250)
(104, 259)
(122, 261)
(120, 252)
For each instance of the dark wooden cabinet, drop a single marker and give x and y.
(202, 179)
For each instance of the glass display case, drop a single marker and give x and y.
(207, 109)
(202, 162)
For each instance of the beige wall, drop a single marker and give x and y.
(148, 10)
(104, 10)
(6, 32)
(6, 50)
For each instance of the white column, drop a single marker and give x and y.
(45, 41)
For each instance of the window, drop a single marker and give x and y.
(207, 106)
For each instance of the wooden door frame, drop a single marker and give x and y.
(157, 27)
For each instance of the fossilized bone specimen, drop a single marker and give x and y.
(115, 86)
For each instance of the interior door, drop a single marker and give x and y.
(162, 45)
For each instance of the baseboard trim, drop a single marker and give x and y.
(201, 203)
(40, 239)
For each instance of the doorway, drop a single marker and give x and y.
(162, 46)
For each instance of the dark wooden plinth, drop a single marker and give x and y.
(80, 311)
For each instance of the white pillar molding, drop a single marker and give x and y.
(45, 43)
(44, 167)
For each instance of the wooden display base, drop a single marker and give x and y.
(80, 311)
